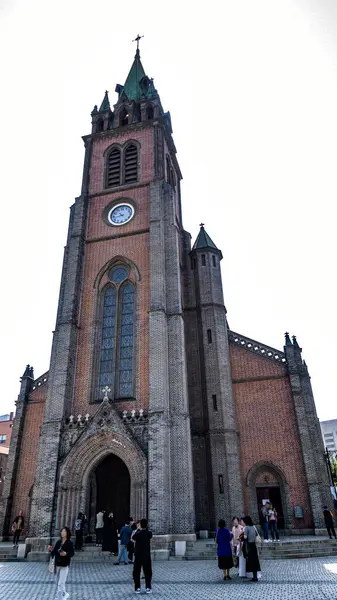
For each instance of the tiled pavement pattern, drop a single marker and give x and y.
(311, 579)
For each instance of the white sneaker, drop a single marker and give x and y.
(66, 596)
(148, 591)
(137, 591)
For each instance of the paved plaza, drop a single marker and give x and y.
(306, 579)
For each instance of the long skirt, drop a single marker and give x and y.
(225, 562)
(252, 561)
(242, 566)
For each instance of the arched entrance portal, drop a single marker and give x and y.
(95, 460)
(266, 481)
(110, 489)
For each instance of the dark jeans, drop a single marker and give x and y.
(147, 568)
(331, 530)
(265, 530)
(99, 536)
(79, 540)
(16, 536)
(131, 549)
(273, 530)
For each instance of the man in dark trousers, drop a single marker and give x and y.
(142, 539)
(327, 516)
(131, 546)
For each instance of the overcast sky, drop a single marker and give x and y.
(252, 91)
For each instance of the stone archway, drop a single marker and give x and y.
(81, 462)
(109, 489)
(268, 475)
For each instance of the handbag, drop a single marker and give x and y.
(258, 540)
(52, 565)
(14, 527)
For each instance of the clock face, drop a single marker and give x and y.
(121, 214)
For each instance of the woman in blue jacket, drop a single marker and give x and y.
(225, 557)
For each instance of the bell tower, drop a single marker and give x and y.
(119, 335)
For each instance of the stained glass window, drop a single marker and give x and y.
(117, 338)
(106, 367)
(126, 341)
(118, 274)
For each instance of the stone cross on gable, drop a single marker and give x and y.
(106, 390)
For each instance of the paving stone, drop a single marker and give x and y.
(311, 579)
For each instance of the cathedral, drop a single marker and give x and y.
(152, 405)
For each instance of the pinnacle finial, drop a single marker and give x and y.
(295, 342)
(288, 340)
(202, 225)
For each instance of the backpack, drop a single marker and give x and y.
(78, 524)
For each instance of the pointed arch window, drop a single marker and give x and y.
(121, 165)
(130, 163)
(124, 117)
(113, 167)
(117, 335)
(149, 112)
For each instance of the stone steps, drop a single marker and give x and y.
(8, 554)
(206, 549)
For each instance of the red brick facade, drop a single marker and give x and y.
(267, 425)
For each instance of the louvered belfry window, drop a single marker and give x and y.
(114, 168)
(130, 164)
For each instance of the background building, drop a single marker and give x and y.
(6, 424)
(152, 405)
(329, 433)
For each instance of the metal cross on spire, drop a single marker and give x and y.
(201, 224)
(137, 39)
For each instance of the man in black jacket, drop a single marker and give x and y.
(327, 516)
(142, 540)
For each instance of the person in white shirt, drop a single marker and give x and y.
(99, 527)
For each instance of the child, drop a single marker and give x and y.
(142, 539)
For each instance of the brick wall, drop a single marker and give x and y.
(28, 454)
(267, 423)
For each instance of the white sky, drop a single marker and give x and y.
(252, 91)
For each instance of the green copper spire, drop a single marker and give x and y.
(132, 87)
(203, 240)
(105, 104)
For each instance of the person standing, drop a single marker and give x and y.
(328, 520)
(125, 536)
(272, 519)
(99, 527)
(17, 527)
(142, 539)
(62, 552)
(252, 558)
(236, 533)
(131, 546)
(242, 558)
(79, 525)
(223, 539)
(264, 521)
(110, 538)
